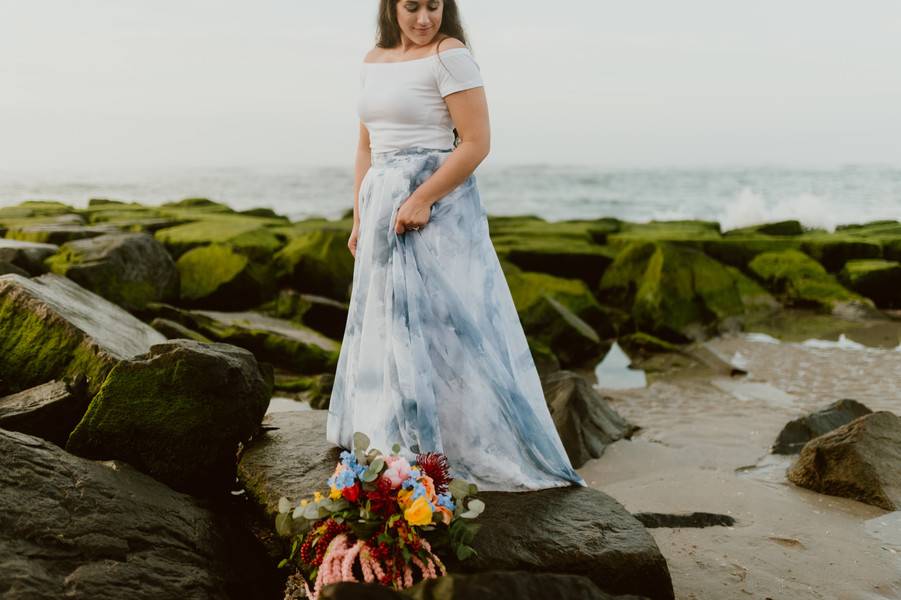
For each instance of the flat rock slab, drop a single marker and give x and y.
(52, 328)
(72, 528)
(572, 530)
(49, 411)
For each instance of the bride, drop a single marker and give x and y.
(434, 356)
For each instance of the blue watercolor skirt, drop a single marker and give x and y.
(434, 356)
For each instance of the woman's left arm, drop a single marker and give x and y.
(469, 111)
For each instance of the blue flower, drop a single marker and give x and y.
(349, 460)
(342, 480)
(446, 501)
(418, 490)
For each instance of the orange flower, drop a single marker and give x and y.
(429, 486)
(446, 515)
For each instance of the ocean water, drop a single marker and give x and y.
(735, 197)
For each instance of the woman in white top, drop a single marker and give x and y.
(434, 356)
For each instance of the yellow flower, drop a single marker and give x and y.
(403, 498)
(419, 513)
(304, 502)
(317, 496)
(335, 493)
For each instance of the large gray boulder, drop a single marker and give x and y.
(72, 528)
(572, 530)
(130, 269)
(584, 420)
(177, 413)
(860, 460)
(52, 328)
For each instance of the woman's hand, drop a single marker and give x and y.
(352, 240)
(412, 214)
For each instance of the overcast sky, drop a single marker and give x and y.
(125, 83)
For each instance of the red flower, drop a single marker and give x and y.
(352, 493)
(434, 464)
(382, 500)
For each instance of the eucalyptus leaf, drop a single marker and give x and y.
(284, 505)
(395, 448)
(282, 563)
(459, 488)
(283, 524)
(311, 511)
(361, 441)
(369, 476)
(298, 512)
(475, 505)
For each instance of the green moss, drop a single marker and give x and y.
(246, 234)
(833, 251)
(37, 348)
(318, 262)
(168, 419)
(642, 344)
(800, 281)
(673, 292)
(879, 280)
(205, 270)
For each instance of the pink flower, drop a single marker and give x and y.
(398, 470)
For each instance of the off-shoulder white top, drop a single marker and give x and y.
(402, 103)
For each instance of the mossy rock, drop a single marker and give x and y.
(676, 293)
(321, 313)
(878, 280)
(218, 276)
(780, 228)
(200, 204)
(130, 269)
(557, 256)
(177, 413)
(57, 233)
(800, 281)
(317, 262)
(175, 330)
(312, 224)
(833, 251)
(52, 328)
(247, 235)
(528, 289)
(35, 208)
(640, 345)
(283, 343)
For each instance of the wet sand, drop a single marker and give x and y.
(704, 446)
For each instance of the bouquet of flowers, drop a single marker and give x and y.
(382, 520)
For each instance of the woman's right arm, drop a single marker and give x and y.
(361, 166)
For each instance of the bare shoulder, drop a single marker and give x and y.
(449, 42)
(374, 54)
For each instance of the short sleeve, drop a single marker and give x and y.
(457, 71)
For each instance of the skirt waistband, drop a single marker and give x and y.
(410, 153)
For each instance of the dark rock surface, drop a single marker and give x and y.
(177, 413)
(73, 528)
(49, 411)
(493, 585)
(584, 420)
(803, 429)
(26, 255)
(860, 460)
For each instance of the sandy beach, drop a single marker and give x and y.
(704, 446)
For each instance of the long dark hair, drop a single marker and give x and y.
(388, 31)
